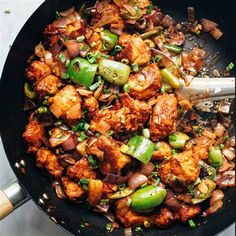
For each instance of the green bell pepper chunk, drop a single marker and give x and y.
(122, 193)
(215, 156)
(82, 72)
(109, 40)
(178, 139)
(113, 71)
(140, 148)
(170, 78)
(146, 198)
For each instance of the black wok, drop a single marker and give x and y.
(12, 120)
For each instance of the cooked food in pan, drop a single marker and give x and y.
(106, 124)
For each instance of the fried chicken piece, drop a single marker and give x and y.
(81, 169)
(163, 120)
(134, 49)
(164, 150)
(193, 61)
(186, 213)
(34, 135)
(47, 159)
(174, 37)
(91, 104)
(114, 159)
(48, 85)
(180, 170)
(164, 218)
(131, 116)
(128, 217)
(72, 189)
(146, 83)
(66, 103)
(108, 189)
(37, 69)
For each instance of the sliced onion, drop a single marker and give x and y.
(56, 48)
(66, 159)
(48, 58)
(70, 143)
(147, 169)
(110, 216)
(226, 179)
(39, 50)
(66, 20)
(102, 208)
(219, 130)
(137, 180)
(229, 153)
(215, 202)
(115, 179)
(67, 12)
(73, 48)
(128, 232)
(171, 201)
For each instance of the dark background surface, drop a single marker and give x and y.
(12, 118)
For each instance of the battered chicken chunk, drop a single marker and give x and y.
(163, 150)
(186, 213)
(37, 69)
(114, 159)
(180, 170)
(47, 159)
(131, 116)
(164, 218)
(47, 85)
(146, 83)
(34, 135)
(81, 169)
(91, 104)
(66, 103)
(135, 49)
(128, 217)
(72, 189)
(163, 120)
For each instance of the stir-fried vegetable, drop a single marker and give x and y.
(178, 139)
(82, 72)
(109, 40)
(215, 156)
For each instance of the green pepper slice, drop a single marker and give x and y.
(178, 139)
(140, 148)
(109, 40)
(215, 156)
(146, 198)
(81, 71)
(122, 193)
(113, 71)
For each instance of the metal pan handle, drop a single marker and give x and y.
(11, 197)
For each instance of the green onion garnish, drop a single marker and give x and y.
(92, 162)
(138, 229)
(192, 224)
(93, 56)
(94, 86)
(150, 8)
(135, 67)
(109, 227)
(84, 183)
(230, 66)
(109, 133)
(42, 110)
(117, 48)
(80, 39)
(62, 57)
(82, 137)
(127, 88)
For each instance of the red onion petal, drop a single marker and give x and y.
(137, 180)
(70, 143)
(147, 169)
(115, 179)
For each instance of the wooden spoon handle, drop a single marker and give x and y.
(6, 206)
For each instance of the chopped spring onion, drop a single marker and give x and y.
(192, 224)
(80, 38)
(93, 56)
(230, 66)
(92, 162)
(126, 88)
(65, 76)
(62, 57)
(173, 48)
(138, 229)
(109, 133)
(157, 181)
(84, 183)
(84, 47)
(67, 62)
(94, 86)
(42, 110)
(117, 48)
(157, 58)
(135, 67)
(157, 146)
(81, 126)
(150, 8)
(146, 133)
(82, 137)
(109, 227)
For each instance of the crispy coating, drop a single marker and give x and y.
(132, 115)
(180, 170)
(48, 85)
(72, 190)
(34, 135)
(37, 69)
(66, 103)
(164, 218)
(48, 160)
(128, 217)
(163, 120)
(135, 49)
(91, 104)
(146, 83)
(114, 159)
(81, 169)
(186, 213)
(164, 150)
